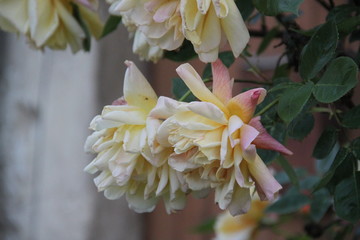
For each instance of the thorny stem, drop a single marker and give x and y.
(267, 107)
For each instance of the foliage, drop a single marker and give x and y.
(318, 79)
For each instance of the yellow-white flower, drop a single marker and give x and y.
(205, 21)
(49, 23)
(144, 49)
(215, 140)
(158, 20)
(129, 159)
(166, 23)
(242, 227)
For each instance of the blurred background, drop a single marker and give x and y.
(47, 100)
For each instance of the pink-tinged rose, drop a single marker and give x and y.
(215, 139)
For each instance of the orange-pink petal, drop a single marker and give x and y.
(244, 104)
(222, 84)
(265, 141)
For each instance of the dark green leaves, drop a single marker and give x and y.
(274, 7)
(339, 78)
(111, 24)
(289, 170)
(351, 119)
(290, 202)
(184, 53)
(347, 198)
(319, 50)
(293, 100)
(325, 143)
(181, 91)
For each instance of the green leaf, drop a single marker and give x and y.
(325, 143)
(111, 25)
(319, 50)
(339, 78)
(293, 100)
(179, 89)
(87, 40)
(338, 169)
(355, 147)
(346, 17)
(323, 165)
(267, 40)
(245, 7)
(290, 202)
(205, 227)
(301, 126)
(274, 7)
(286, 166)
(320, 203)
(351, 119)
(183, 54)
(347, 198)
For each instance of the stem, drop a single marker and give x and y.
(266, 108)
(252, 81)
(322, 110)
(256, 70)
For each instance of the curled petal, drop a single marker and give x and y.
(240, 202)
(265, 141)
(165, 108)
(244, 104)
(247, 136)
(266, 184)
(208, 110)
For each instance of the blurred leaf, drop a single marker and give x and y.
(111, 25)
(339, 78)
(346, 17)
(290, 202)
(323, 165)
(347, 198)
(245, 7)
(205, 227)
(281, 71)
(183, 54)
(340, 167)
(287, 167)
(320, 203)
(267, 40)
(301, 126)
(344, 232)
(179, 88)
(86, 43)
(355, 147)
(283, 178)
(319, 50)
(274, 7)
(293, 100)
(325, 143)
(351, 118)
